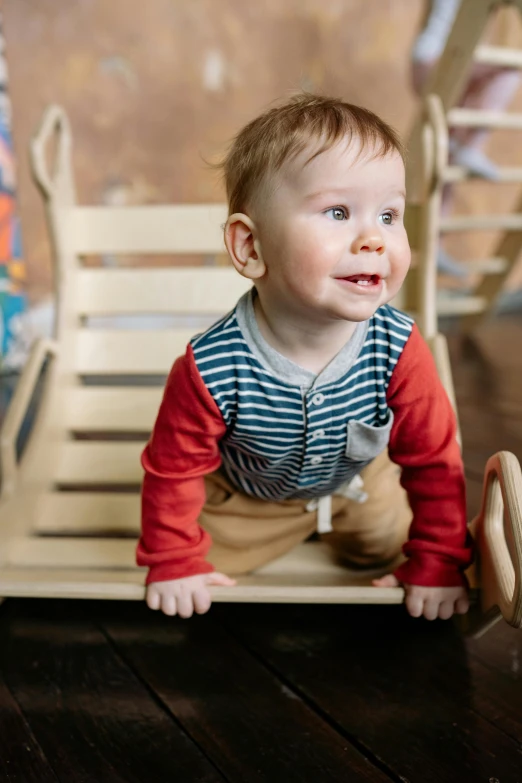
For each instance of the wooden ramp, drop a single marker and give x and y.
(69, 514)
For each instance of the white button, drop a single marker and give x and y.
(317, 434)
(318, 399)
(316, 460)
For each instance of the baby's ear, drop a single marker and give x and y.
(243, 246)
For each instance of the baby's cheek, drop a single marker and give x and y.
(303, 262)
(400, 261)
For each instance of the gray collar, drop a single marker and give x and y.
(286, 370)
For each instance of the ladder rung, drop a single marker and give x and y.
(498, 55)
(486, 266)
(482, 223)
(460, 174)
(480, 118)
(460, 305)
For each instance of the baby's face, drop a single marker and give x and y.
(332, 234)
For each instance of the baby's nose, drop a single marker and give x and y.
(368, 243)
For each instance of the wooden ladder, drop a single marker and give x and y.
(447, 83)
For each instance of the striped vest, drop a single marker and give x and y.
(286, 442)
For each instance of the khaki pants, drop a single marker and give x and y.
(248, 532)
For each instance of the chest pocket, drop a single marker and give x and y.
(366, 441)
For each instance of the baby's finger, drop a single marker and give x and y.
(462, 605)
(185, 606)
(202, 600)
(153, 598)
(414, 605)
(431, 609)
(446, 610)
(386, 581)
(168, 605)
(220, 579)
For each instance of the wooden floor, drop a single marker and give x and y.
(107, 692)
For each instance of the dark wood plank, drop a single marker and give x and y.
(496, 664)
(497, 698)
(401, 686)
(21, 758)
(93, 719)
(501, 650)
(254, 727)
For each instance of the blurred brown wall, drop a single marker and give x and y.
(153, 89)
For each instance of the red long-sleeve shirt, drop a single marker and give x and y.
(184, 447)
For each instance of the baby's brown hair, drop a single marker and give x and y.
(275, 137)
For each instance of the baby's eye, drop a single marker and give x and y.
(337, 213)
(389, 217)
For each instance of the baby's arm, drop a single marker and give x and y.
(423, 442)
(183, 448)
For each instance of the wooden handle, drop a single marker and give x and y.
(54, 121)
(17, 411)
(501, 511)
(434, 111)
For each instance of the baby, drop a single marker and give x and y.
(314, 406)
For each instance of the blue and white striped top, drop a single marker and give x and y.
(290, 433)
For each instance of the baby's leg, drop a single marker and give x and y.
(372, 533)
(247, 532)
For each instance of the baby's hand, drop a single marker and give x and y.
(432, 602)
(185, 596)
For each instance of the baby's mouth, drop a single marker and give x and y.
(362, 280)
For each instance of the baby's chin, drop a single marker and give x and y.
(364, 310)
(354, 317)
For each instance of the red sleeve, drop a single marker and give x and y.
(183, 448)
(423, 442)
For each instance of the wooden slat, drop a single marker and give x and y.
(129, 351)
(67, 582)
(509, 247)
(498, 55)
(485, 266)
(481, 118)
(460, 173)
(87, 463)
(88, 513)
(105, 569)
(137, 352)
(460, 305)
(482, 223)
(304, 562)
(46, 552)
(120, 409)
(98, 583)
(199, 290)
(128, 585)
(182, 228)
